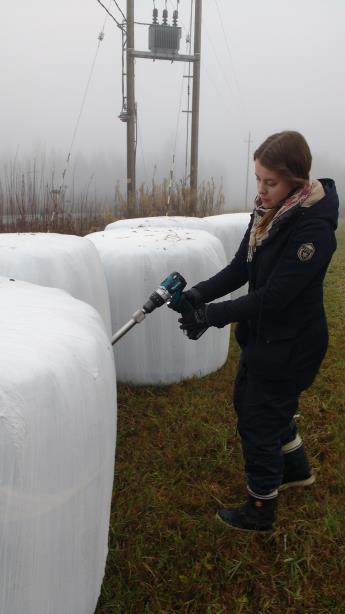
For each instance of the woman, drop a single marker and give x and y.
(282, 328)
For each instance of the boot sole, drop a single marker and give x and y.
(308, 482)
(234, 526)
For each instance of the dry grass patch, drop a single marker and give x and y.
(31, 203)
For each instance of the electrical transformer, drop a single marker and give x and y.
(164, 38)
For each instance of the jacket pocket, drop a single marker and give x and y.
(272, 355)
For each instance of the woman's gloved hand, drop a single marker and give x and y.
(192, 296)
(194, 320)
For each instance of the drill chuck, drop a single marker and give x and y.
(169, 290)
(157, 299)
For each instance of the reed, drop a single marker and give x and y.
(29, 202)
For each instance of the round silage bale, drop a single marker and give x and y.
(59, 261)
(164, 221)
(57, 445)
(230, 229)
(136, 261)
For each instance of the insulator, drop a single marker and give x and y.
(155, 16)
(175, 18)
(101, 36)
(165, 17)
(123, 115)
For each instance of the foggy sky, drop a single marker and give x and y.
(265, 67)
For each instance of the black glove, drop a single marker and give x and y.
(193, 297)
(194, 321)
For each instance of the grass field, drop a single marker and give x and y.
(179, 459)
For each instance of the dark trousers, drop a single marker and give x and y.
(265, 424)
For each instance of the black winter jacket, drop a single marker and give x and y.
(281, 321)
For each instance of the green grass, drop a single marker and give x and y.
(179, 459)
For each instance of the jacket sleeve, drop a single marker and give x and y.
(228, 279)
(305, 257)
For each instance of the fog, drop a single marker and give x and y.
(265, 66)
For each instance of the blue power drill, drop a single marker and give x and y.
(169, 290)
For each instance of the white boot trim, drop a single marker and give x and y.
(271, 495)
(292, 446)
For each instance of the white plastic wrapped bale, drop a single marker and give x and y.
(60, 261)
(57, 446)
(164, 221)
(230, 229)
(135, 262)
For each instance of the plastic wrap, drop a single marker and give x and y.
(164, 221)
(230, 229)
(60, 261)
(57, 446)
(135, 262)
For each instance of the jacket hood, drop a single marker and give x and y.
(328, 207)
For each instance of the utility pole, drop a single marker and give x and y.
(195, 102)
(164, 41)
(249, 141)
(131, 110)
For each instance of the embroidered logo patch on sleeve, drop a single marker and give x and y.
(306, 252)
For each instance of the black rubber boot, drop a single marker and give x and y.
(297, 470)
(255, 515)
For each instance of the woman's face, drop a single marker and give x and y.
(272, 187)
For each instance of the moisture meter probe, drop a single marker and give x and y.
(169, 290)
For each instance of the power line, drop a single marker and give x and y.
(188, 76)
(172, 168)
(100, 39)
(206, 71)
(225, 76)
(121, 11)
(231, 58)
(119, 25)
(178, 114)
(82, 107)
(141, 148)
(249, 141)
